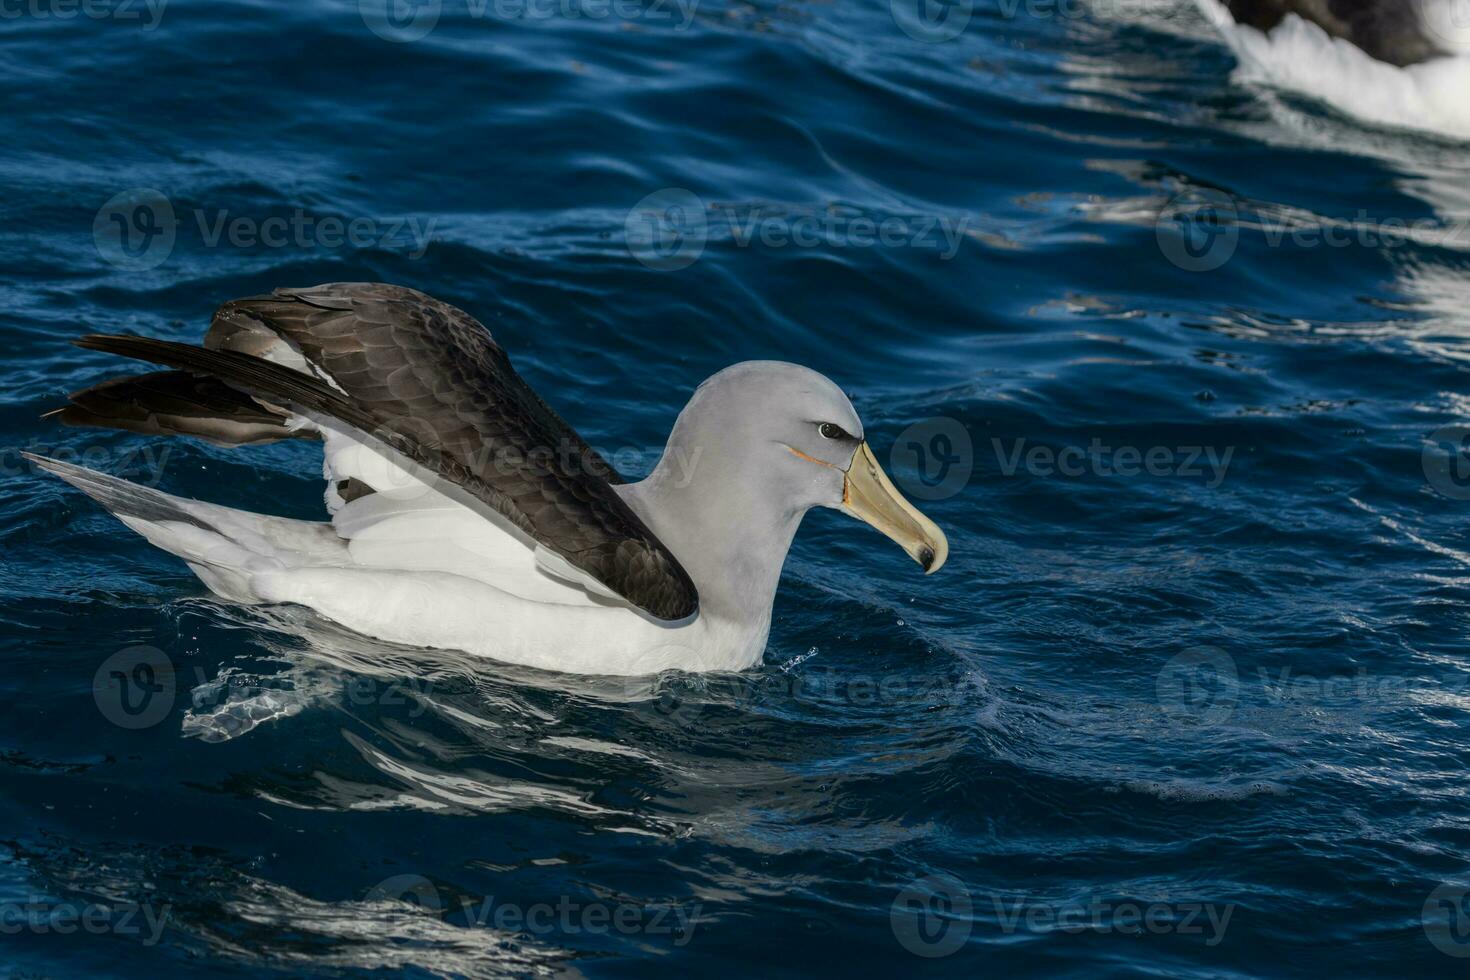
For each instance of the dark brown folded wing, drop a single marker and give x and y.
(428, 380)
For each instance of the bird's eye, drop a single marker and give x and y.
(830, 431)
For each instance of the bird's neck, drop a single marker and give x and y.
(724, 527)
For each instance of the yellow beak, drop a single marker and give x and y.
(870, 496)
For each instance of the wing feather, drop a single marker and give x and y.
(428, 381)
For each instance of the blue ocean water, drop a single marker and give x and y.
(1178, 365)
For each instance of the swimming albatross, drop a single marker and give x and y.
(1396, 32)
(465, 514)
(1398, 63)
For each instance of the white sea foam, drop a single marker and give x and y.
(1433, 96)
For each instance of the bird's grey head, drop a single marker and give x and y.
(769, 431)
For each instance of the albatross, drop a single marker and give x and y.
(464, 512)
(1398, 63)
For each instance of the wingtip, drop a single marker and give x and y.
(91, 482)
(70, 472)
(43, 462)
(92, 341)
